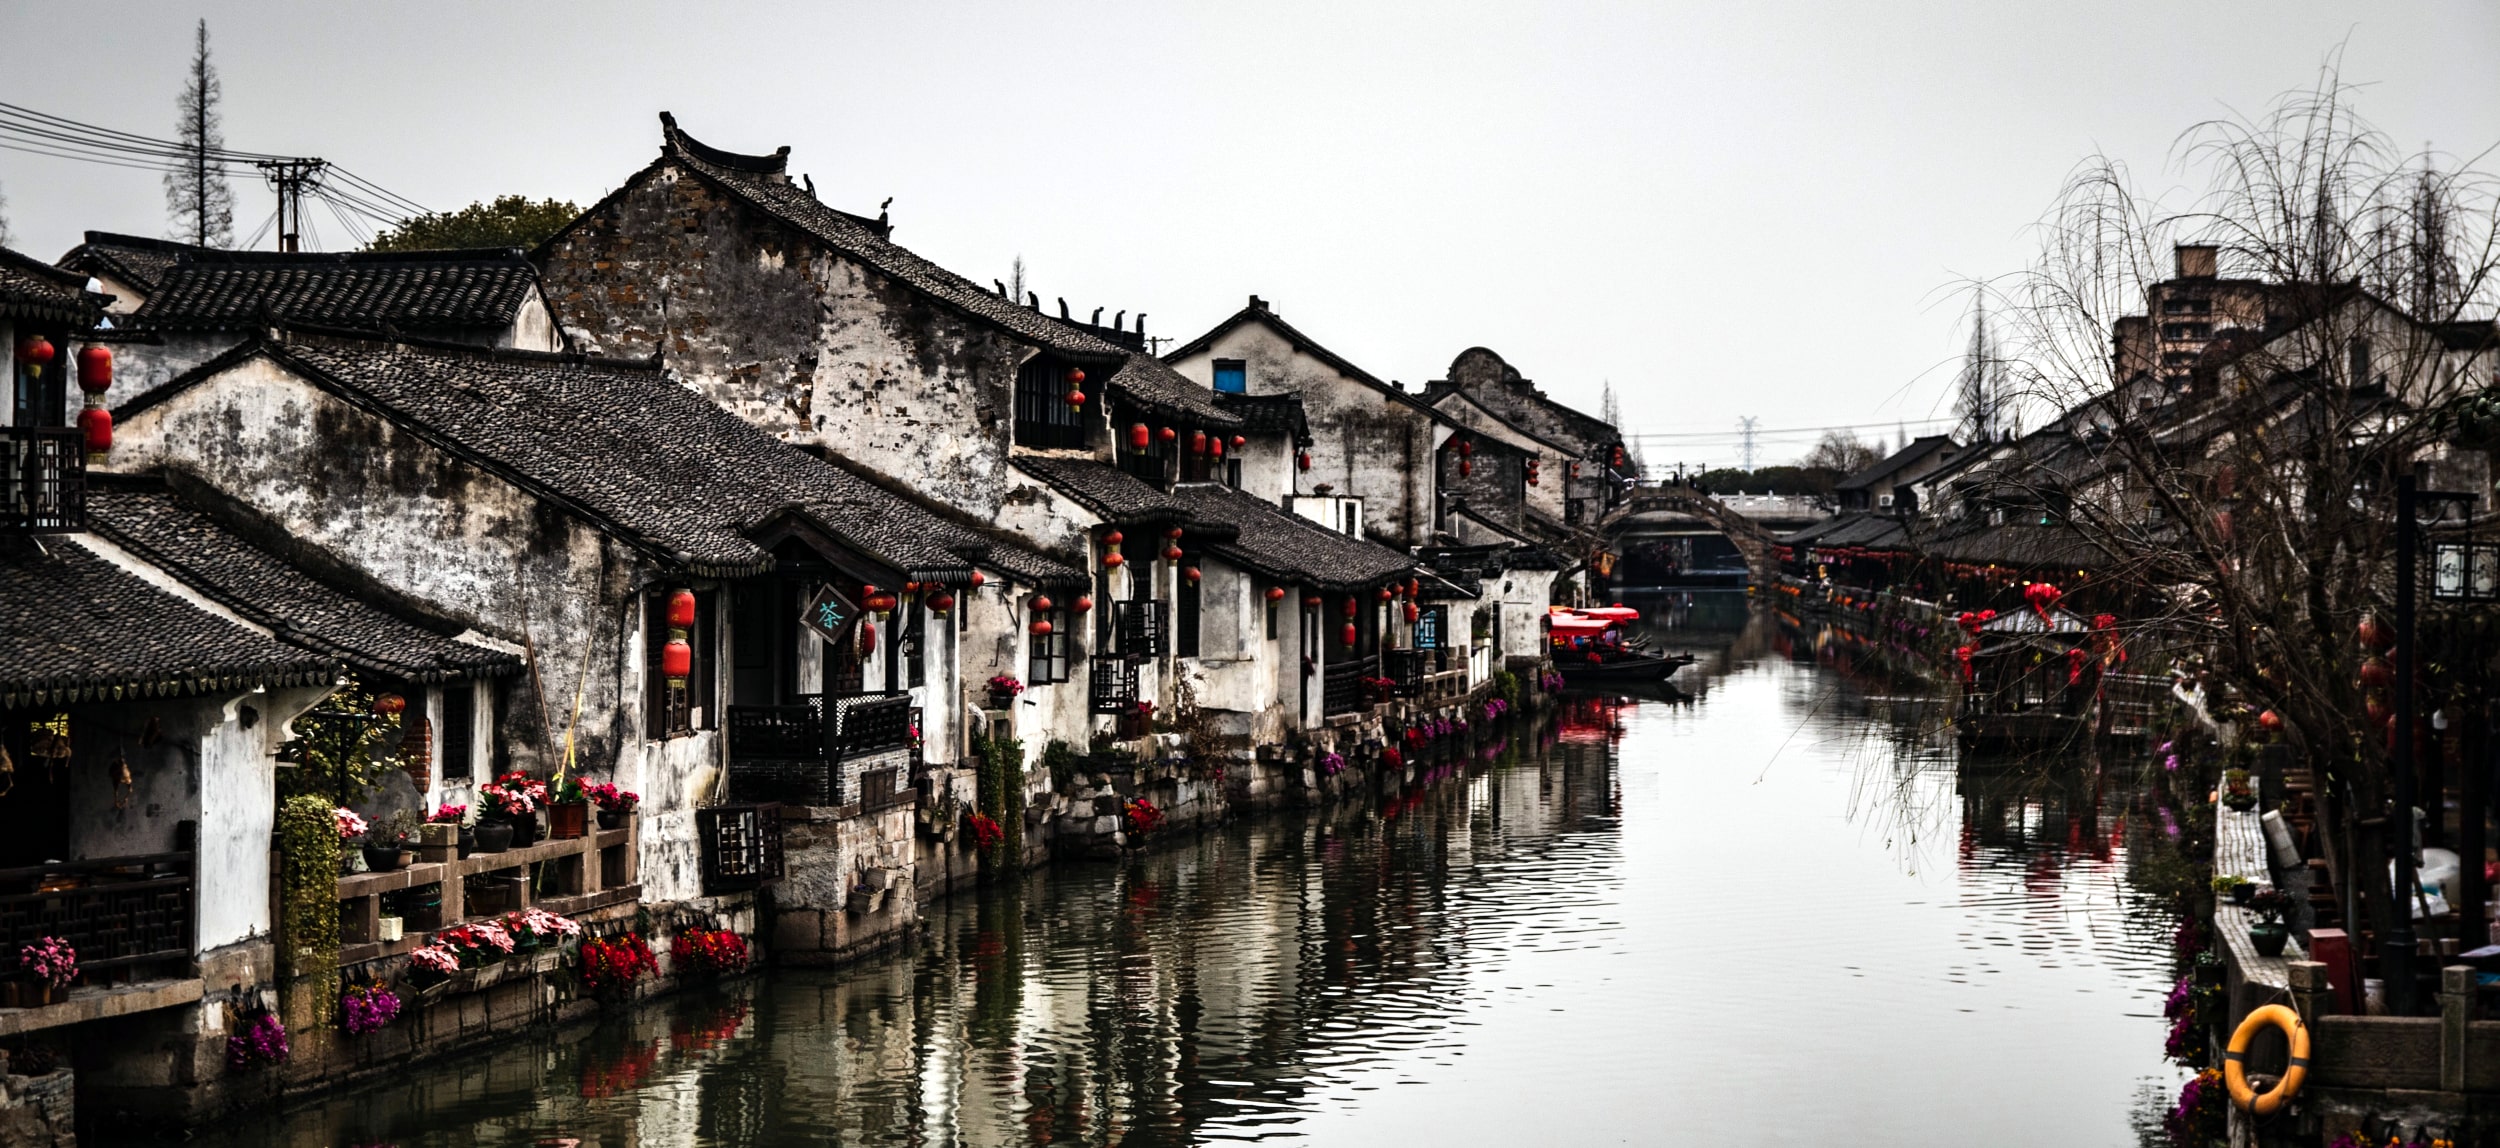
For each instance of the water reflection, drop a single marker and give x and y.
(1768, 911)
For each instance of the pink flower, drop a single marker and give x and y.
(350, 825)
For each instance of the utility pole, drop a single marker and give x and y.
(1748, 422)
(291, 178)
(2396, 950)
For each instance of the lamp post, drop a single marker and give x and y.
(2396, 949)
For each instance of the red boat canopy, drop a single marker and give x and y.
(1569, 627)
(1612, 613)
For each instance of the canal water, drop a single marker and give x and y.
(1767, 911)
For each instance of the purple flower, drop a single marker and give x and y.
(263, 1042)
(2171, 763)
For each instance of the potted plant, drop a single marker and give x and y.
(616, 806)
(2235, 791)
(1003, 691)
(49, 965)
(2269, 933)
(351, 828)
(449, 825)
(431, 966)
(364, 1008)
(389, 846)
(513, 800)
(2235, 889)
(568, 809)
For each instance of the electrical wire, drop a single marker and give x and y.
(25, 130)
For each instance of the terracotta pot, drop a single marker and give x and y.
(565, 822)
(493, 837)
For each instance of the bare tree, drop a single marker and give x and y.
(2234, 470)
(1840, 451)
(1979, 392)
(198, 199)
(6, 239)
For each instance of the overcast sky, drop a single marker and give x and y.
(1723, 209)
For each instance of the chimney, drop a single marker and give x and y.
(2197, 261)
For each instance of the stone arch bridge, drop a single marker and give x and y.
(1750, 523)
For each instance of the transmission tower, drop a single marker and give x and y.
(1748, 422)
(291, 178)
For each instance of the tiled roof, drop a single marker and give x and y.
(2050, 547)
(75, 627)
(1270, 541)
(1892, 464)
(1259, 312)
(1270, 414)
(36, 291)
(136, 260)
(366, 291)
(185, 541)
(763, 182)
(1114, 494)
(618, 442)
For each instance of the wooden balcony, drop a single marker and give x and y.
(1341, 685)
(794, 753)
(43, 480)
(571, 876)
(126, 916)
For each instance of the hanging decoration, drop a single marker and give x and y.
(1042, 603)
(1041, 627)
(941, 602)
(878, 602)
(677, 657)
(1197, 442)
(1215, 446)
(1963, 654)
(1349, 634)
(1240, 441)
(1076, 388)
(95, 376)
(1111, 559)
(2075, 657)
(1082, 604)
(979, 580)
(1169, 435)
(1139, 438)
(1190, 573)
(1172, 553)
(1413, 612)
(1275, 593)
(1303, 459)
(2041, 597)
(1533, 465)
(1312, 602)
(34, 353)
(1350, 607)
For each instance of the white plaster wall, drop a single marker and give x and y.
(143, 366)
(1364, 443)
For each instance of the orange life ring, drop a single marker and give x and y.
(2234, 1060)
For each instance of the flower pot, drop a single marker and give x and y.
(524, 830)
(2240, 802)
(2268, 939)
(568, 821)
(384, 858)
(2243, 892)
(493, 837)
(468, 840)
(615, 818)
(1001, 699)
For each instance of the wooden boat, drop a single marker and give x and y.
(1627, 668)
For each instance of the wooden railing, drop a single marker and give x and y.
(1341, 685)
(1138, 629)
(794, 753)
(570, 876)
(120, 913)
(43, 480)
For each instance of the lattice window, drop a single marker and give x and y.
(741, 846)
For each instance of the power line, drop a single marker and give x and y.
(1787, 430)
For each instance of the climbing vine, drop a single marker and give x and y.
(333, 752)
(308, 910)
(999, 795)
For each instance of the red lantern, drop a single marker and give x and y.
(1076, 399)
(1191, 573)
(2377, 674)
(882, 604)
(1618, 456)
(2374, 635)
(867, 640)
(1171, 553)
(1041, 627)
(1303, 459)
(1350, 633)
(1240, 441)
(1197, 442)
(1042, 602)
(1169, 434)
(1076, 376)
(1114, 538)
(1386, 593)
(1275, 593)
(2270, 721)
(1138, 437)
(676, 661)
(1215, 446)
(35, 352)
(1114, 559)
(1174, 533)
(389, 705)
(1082, 604)
(1466, 467)
(1466, 448)
(1414, 587)
(1350, 607)
(941, 603)
(98, 425)
(95, 369)
(979, 579)
(1413, 612)
(681, 609)
(1312, 602)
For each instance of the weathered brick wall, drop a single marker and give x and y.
(792, 336)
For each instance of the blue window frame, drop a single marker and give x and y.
(1232, 377)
